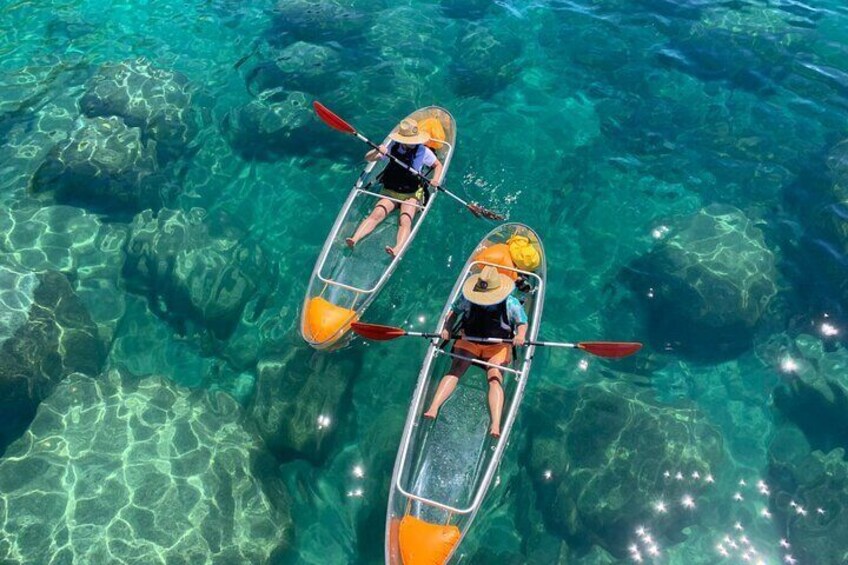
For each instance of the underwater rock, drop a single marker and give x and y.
(298, 401)
(815, 396)
(104, 166)
(77, 244)
(157, 101)
(485, 61)
(270, 126)
(45, 335)
(810, 505)
(299, 66)
(316, 20)
(751, 48)
(596, 464)
(707, 286)
(837, 166)
(122, 469)
(834, 217)
(192, 268)
(466, 9)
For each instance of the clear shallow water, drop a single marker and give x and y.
(604, 126)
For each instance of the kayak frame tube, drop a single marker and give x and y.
(417, 405)
(364, 297)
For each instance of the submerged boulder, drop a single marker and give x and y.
(104, 166)
(157, 101)
(192, 268)
(45, 335)
(810, 507)
(299, 66)
(485, 60)
(121, 469)
(815, 395)
(298, 402)
(317, 20)
(271, 125)
(78, 244)
(707, 286)
(597, 466)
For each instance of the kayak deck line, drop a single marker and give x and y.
(445, 467)
(352, 279)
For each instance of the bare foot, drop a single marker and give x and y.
(495, 433)
(350, 242)
(430, 415)
(390, 250)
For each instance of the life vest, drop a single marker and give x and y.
(394, 177)
(484, 322)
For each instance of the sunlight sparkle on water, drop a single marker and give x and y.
(829, 330)
(659, 231)
(323, 422)
(358, 471)
(788, 365)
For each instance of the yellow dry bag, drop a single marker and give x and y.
(523, 253)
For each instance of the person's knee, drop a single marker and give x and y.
(379, 212)
(406, 219)
(495, 378)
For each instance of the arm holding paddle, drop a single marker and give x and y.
(520, 336)
(377, 154)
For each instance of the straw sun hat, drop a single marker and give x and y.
(407, 132)
(488, 287)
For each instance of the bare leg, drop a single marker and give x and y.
(407, 213)
(383, 208)
(447, 386)
(496, 401)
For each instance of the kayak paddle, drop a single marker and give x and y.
(608, 349)
(335, 122)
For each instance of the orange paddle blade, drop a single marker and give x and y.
(331, 119)
(376, 331)
(611, 349)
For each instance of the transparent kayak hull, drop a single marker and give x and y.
(344, 282)
(444, 468)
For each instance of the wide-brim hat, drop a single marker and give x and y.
(407, 132)
(488, 287)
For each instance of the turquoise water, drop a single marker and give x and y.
(685, 164)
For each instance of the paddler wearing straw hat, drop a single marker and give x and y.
(488, 310)
(407, 145)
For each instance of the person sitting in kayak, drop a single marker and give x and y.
(488, 310)
(407, 145)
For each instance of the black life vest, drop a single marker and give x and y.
(487, 322)
(394, 177)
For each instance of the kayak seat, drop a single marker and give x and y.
(324, 319)
(499, 255)
(423, 543)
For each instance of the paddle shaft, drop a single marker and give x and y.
(497, 340)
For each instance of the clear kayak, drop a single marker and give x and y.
(345, 281)
(444, 467)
